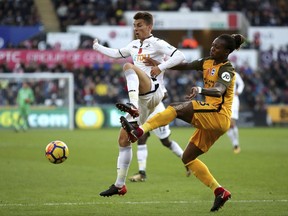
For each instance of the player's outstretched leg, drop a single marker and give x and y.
(133, 132)
(129, 108)
(221, 196)
(113, 190)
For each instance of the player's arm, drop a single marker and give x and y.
(216, 91)
(225, 76)
(31, 97)
(175, 57)
(194, 65)
(18, 98)
(111, 52)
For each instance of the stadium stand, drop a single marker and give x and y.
(266, 85)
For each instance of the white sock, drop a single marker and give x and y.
(233, 136)
(176, 149)
(142, 154)
(123, 163)
(236, 136)
(230, 134)
(133, 86)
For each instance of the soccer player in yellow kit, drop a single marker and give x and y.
(211, 117)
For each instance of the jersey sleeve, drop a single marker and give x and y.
(125, 51)
(225, 75)
(175, 56)
(114, 53)
(164, 47)
(197, 64)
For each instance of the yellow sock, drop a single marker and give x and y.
(160, 119)
(201, 171)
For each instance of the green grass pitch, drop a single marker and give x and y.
(31, 185)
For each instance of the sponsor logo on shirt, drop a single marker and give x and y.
(213, 71)
(226, 76)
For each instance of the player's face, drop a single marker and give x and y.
(25, 85)
(218, 50)
(141, 29)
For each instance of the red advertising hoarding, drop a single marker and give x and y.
(53, 57)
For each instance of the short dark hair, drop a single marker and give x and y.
(147, 17)
(233, 41)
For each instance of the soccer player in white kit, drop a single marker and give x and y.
(233, 133)
(144, 90)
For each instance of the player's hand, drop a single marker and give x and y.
(95, 44)
(27, 100)
(193, 93)
(150, 62)
(155, 71)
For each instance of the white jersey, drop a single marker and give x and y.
(156, 49)
(152, 47)
(238, 89)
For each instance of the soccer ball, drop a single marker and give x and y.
(56, 152)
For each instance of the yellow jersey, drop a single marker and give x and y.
(223, 73)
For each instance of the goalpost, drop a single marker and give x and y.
(52, 91)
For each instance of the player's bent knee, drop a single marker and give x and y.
(123, 139)
(127, 66)
(123, 142)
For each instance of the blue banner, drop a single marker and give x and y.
(15, 34)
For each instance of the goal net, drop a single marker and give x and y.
(53, 106)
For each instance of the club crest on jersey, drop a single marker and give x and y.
(226, 76)
(213, 71)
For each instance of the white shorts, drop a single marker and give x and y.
(235, 108)
(147, 103)
(161, 132)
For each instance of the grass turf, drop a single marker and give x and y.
(31, 185)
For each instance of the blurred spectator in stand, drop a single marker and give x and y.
(101, 90)
(184, 8)
(87, 94)
(198, 5)
(19, 68)
(216, 7)
(62, 11)
(168, 5)
(189, 42)
(257, 40)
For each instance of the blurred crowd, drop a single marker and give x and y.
(101, 84)
(105, 84)
(19, 13)
(110, 12)
(94, 85)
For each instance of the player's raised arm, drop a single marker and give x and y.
(216, 91)
(194, 65)
(111, 52)
(176, 58)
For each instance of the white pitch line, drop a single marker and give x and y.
(129, 203)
